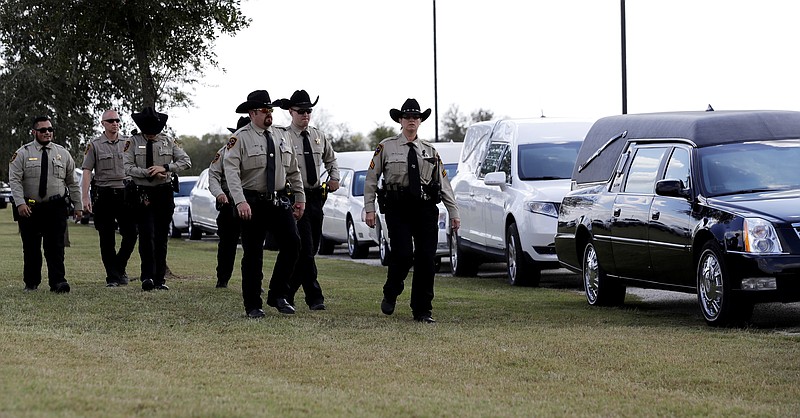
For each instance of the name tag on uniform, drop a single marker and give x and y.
(141, 147)
(33, 159)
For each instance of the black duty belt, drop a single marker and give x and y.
(258, 196)
(110, 190)
(52, 199)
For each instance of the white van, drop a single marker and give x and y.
(511, 178)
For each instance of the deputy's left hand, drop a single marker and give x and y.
(333, 185)
(299, 208)
(455, 223)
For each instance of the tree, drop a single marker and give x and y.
(380, 133)
(73, 58)
(481, 115)
(454, 125)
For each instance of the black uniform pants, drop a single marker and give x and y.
(279, 221)
(305, 271)
(154, 214)
(414, 234)
(111, 211)
(228, 229)
(45, 228)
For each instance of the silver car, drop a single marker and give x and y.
(344, 208)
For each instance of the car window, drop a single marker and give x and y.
(678, 166)
(750, 166)
(547, 161)
(494, 159)
(475, 142)
(358, 182)
(185, 188)
(644, 170)
(451, 169)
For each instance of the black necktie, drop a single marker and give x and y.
(311, 169)
(270, 165)
(43, 176)
(413, 171)
(149, 157)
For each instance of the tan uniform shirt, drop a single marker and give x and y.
(391, 161)
(323, 153)
(105, 157)
(217, 184)
(25, 169)
(245, 163)
(165, 151)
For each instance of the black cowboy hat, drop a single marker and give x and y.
(300, 98)
(243, 120)
(149, 121)
(255, 100)
(410, 107)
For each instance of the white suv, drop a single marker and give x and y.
(511, 178)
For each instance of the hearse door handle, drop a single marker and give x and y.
(617, 211)
(655, 215)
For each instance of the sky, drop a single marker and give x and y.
(560, 58)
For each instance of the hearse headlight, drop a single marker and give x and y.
(760, 237)
(542, 208)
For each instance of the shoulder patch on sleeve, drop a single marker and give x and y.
(231, 142)
(127, 145)
(372, 165)
(216, 158)
(88, 148)
(13, 157)
(378, 149)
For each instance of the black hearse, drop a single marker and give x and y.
(697, 202)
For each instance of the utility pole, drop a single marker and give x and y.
(624, 60)
(435, 81)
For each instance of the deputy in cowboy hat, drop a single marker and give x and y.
(415, 181)
(313, 148)
(228, 225)
(259, 162)
(149, 158)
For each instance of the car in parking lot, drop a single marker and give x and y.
(180, 216)
(344, 208)
(449, 152)
(511, 177)
(696, 202)
(202, 209)
(5, 194)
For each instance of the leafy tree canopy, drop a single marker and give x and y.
(73, 58)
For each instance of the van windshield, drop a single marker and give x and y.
(750, 167)
(547, 161)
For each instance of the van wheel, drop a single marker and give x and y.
(354, 248)
(720, 306)
(521, 272)
(600, 290)
(383, 244)
(462, 263)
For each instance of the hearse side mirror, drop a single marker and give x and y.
(672, 188)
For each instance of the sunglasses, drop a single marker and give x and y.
(303, 111)
(267, 110)
(410, 116)
(44, 130)
(111, 121)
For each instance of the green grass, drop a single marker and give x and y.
(496, 351)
